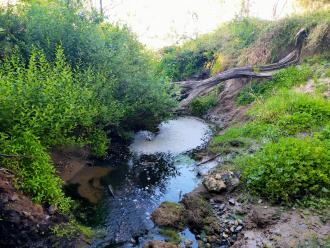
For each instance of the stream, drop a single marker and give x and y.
(158, 168)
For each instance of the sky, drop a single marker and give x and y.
(160, 23)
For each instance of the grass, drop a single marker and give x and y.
(202, 104)
(290, 132)
(284, 79)
(71, 229)
(171, 234)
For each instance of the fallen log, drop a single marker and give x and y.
(192, 88)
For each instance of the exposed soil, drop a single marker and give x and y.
(26, 224)
(227, 112)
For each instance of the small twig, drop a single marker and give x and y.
(14, 156)
(9, 155)
(208, 160)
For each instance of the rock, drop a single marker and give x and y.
(219, 182)
(13, 197)
(239, 228)
(5, 199)
(232, 201)
(214, 185)
(52, 210)
(159, 244)
(263, 217)
(188, 243)
(169, 214)
(208, 245)
(232, 229)
(222, 206)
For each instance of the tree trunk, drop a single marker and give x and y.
(192, 89)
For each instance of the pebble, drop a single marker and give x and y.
(5, 199)
(52, 210)
(232, 201)
(208, 245)
(188, 243)
(260, 201)
(133, 241)
(238, 229)
(222, 206)
(232, 229)
(240, 222)
(14, 197)
(225, 235)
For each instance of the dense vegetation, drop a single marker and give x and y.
(245, 41)
(288, 132)
(69, 79)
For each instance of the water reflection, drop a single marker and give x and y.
(156, 171)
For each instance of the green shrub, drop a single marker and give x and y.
(288, 170)
(33, 168)
(125, 79)
(202, 104)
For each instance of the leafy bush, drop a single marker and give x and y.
(202, 104)
(33, 168)
(181, 63)
(289, 169)
(126, 82)
(48, 100)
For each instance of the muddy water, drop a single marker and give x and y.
(158, 169)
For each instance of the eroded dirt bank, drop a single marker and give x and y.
(26, 224)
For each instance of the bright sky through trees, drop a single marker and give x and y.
(163, 22)
(159, 23)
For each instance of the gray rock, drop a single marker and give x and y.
(232, 201)
(13, 197)
(239, 228)
(52, 210)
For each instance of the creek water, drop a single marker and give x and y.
(158, 168)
